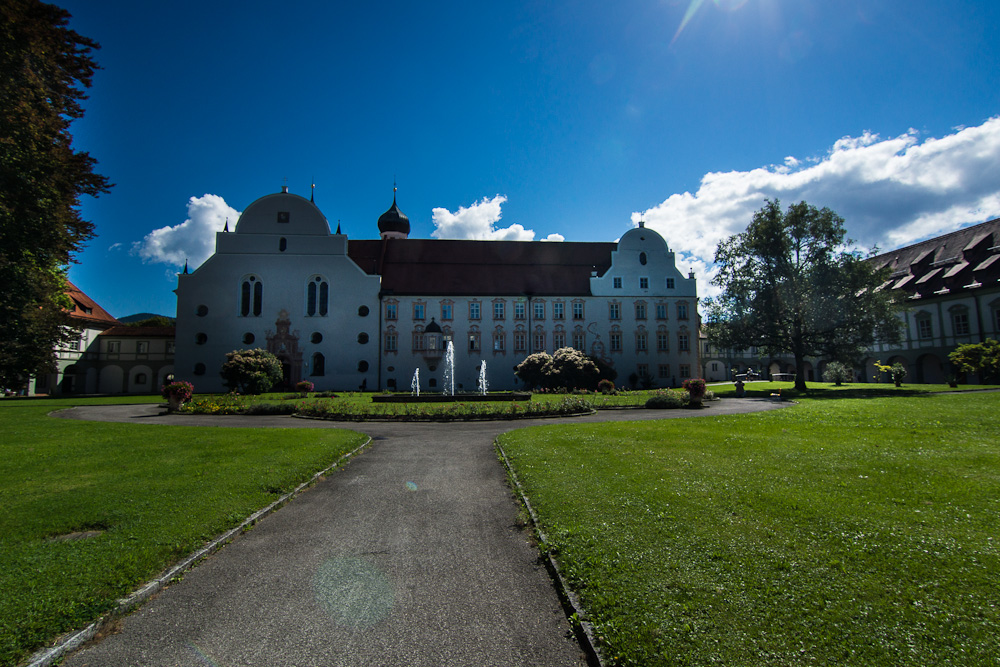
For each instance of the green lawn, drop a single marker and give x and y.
(853, 531)
(156, 492)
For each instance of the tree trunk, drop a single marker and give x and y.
(800, 372)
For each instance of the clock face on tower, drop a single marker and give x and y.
(283, 216)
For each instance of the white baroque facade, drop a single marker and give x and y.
(366, 314)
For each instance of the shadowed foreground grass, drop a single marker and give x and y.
(152, 493)
(852, 531)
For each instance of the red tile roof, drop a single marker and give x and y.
(482, 268)
(960, 259)
(86, 309)
(139, 332)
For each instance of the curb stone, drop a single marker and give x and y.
(575, 614)
(68, 643)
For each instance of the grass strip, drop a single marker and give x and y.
(850, 531)
(93, 510)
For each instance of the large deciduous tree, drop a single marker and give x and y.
(792, 285)
(44, 68)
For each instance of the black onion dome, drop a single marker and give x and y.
(433, 327)
(394, 220)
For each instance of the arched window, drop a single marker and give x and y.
(251, 296)
(317, 296)
(318, 364)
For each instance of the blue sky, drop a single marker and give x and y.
(532, 120)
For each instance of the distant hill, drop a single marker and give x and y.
(142, 317)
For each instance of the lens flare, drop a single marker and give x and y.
(203, 657)
(730, 5)
(353, 592)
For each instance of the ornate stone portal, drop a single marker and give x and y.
(284, 344)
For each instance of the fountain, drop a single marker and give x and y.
(448, 389)
(483, 384)
(449, 369)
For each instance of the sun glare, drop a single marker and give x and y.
(725, 5)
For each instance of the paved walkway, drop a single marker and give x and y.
(410, 555)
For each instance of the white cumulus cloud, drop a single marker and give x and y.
(890, 191)
(193, 240)
(478, 222)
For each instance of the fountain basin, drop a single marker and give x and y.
(446, 398)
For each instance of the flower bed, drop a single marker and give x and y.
(456, 411)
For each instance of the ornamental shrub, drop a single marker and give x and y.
(181, 391)
(606, 386)
(664, 400)
(304, 387)
(532, 371)
(695, 387)
(837, 373)
(251, 371)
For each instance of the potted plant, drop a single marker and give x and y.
(696, 391)
(177, 394)
(304, 387)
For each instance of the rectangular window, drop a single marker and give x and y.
(419, 342)
(578, 310)
(390, 311)
(616, 342)
(474, 310)
(520, 341)
(640, 342)
(663, 371)
(960, 322)
(685, 371)
(142, 347)
(474, 341)
(643, 283)
(661, 311)
(923, 328)
(539, 310)
(114, 346)
(682, 311)
(418, 311)
(499, 342)
(640, 311)
(539, 342)
(662, 341)
(579, 341)
(642, 370)
(170, 346)
(498, 310)
(518, 310)
(559, 310)
(559, 340)
(446, 311)
(614, 311)
(715, 366)
(617, 281)
(683, 342)
(390, 342)
(670, 283)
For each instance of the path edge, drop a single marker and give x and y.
(72, 641)
(575, 614)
